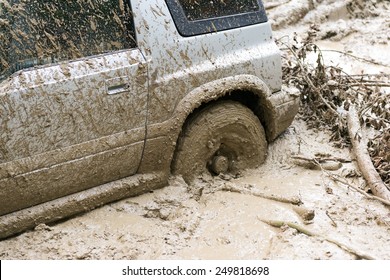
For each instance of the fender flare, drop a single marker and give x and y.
(212, 91)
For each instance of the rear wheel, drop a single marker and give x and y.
(223, 138)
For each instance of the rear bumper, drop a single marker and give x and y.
(285, 105)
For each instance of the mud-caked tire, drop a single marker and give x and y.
(225, 137)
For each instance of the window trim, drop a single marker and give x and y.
(188, 28)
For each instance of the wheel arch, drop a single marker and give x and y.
(249, 90)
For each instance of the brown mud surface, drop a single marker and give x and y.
(221, 217)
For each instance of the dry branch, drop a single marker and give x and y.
(358, 58)
(331, 219)
(315, 89)
(338, 179)
(365, 164)
(372, 197)
(327, 92)
(295, 200)
(370, 85)
(308, 232)
(312, 163)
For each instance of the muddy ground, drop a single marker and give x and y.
(221, 218)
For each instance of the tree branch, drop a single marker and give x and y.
(306, 231)
(365, 164)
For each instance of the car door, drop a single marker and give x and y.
(73, 99)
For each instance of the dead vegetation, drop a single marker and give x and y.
(328, 95)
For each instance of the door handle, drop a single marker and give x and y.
(117, 89)
(117, 85)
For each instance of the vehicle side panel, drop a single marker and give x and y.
(184, 63)
(66, 109)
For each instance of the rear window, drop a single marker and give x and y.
(195, 17)
(206, 9)
(39, 32)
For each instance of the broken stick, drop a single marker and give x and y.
(312, 163)
(365, 164)
(295, 200)
(369, 196)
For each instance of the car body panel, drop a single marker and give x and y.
(184, 63)
(60, 124)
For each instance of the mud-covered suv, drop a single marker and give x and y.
(129, 91)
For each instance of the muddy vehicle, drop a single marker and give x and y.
(102, 100)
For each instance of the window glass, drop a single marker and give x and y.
(197, 17)
(206, 9)
(35, 32)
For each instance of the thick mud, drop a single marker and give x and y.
(222, 217)
(207, 221)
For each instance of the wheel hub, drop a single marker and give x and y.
(220, 164)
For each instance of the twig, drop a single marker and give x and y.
(358, 58)
(312, 163)
(307, 232)
(352, 77)
(333, 222)
(372, 197)
(295, 200)
(369, 106)
(310, 82)
(367, 75)
(320, 160)
(337, 179)
(368, 80)
(369, 84)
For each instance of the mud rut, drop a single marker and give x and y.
(221, 217)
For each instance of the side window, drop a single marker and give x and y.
(40, 32)
(195, 17)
